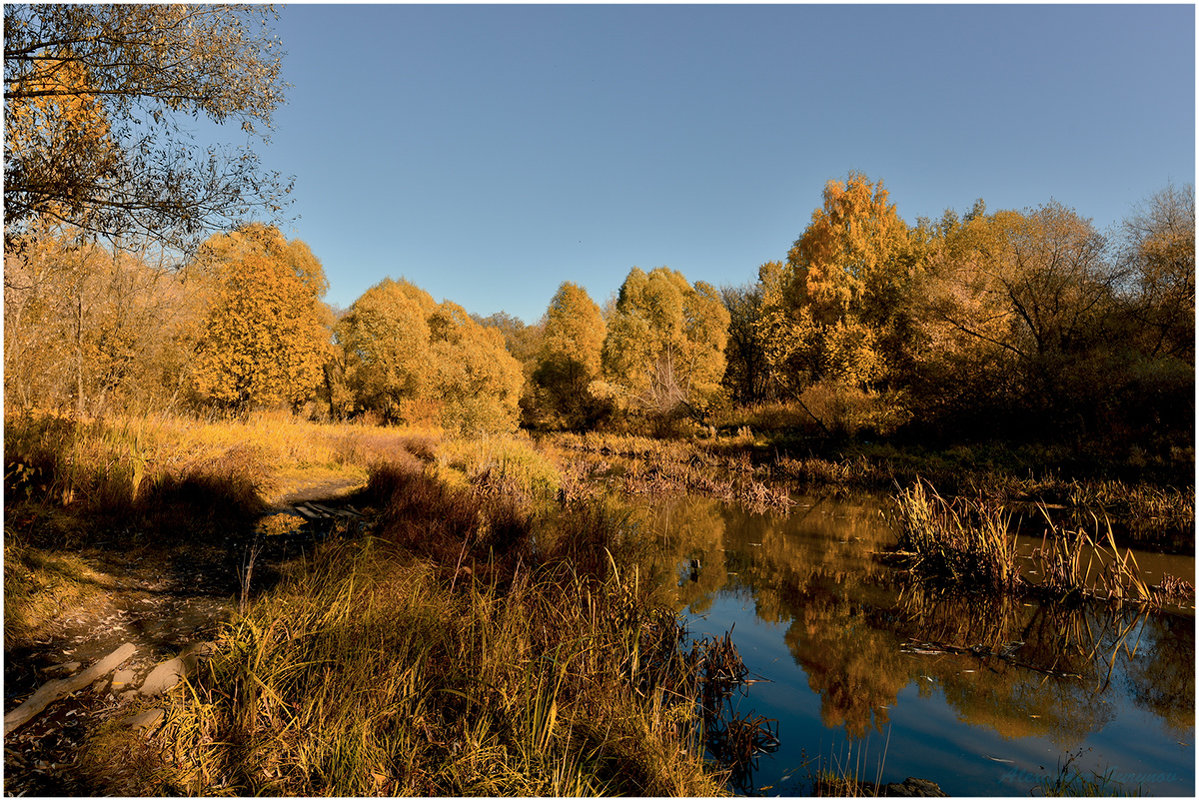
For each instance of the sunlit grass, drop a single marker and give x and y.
(505, 465)
(41, 588)
(971, 543)
(162, 482)
(426, 661)
(103, 464)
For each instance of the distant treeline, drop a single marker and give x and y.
(1028, 324)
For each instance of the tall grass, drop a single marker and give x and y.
(499, 465)
(71, 452)
(963, 540)
(1070, 780)
(70, 475)
(438, 659)
(970, 542)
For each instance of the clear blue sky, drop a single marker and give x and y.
(488, 153)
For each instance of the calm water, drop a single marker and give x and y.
(830, 629)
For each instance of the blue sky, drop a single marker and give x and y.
(488, 153)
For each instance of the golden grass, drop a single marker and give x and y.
(964, 541)
(971, 543)
(162, 482)
(103, 464)
(41, 588)
(426, 661)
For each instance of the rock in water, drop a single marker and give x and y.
(914, 788)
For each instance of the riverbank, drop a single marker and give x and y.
(462, 558)
(1149, 512)
(459, 640)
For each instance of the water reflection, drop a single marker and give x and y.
(863, 634)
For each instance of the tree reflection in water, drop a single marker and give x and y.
(848, 618)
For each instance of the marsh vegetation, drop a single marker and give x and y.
(915, 501)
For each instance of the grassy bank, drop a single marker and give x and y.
(490, 633)
(115, 467)
(761, 472)
(485, 637)
(447, 654)
(169, 489)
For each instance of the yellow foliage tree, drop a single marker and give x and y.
(266, 333)
(88, 328)
(96, 97)
(570, 360)
(1159, 252)
(1032, 283)
(478, 383)
(1016, 306)
(835, 310)
(412, 360)
(384, 338)
(57, 138)
(664, 350)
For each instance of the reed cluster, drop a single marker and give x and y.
(971, 542)
(1147, 512)
(964, 541)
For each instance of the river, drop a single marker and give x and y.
(864, 671)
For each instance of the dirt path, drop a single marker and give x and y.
(161, 601)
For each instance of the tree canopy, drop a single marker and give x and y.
(409, 359)
(1158, 252)
(834, 310)
(570, 360)
(665, 345)
(384, 337)
(94, 94)
(266, 332)
(90, 329)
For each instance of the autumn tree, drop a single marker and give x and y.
(1157, 245)
(409, 359)
(664, 350)
(88, 328)
(1156, 400)
(746, 376)
(523, 340)
(963, 365)
(266, 332)
(836, 309)
(1018, 314)
(569, 361)
(384, 339)
(478, 383)
(98, 98)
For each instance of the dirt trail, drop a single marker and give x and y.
(161, 601)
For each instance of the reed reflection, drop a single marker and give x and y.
(862, 632)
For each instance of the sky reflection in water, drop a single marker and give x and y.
(825, 622)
